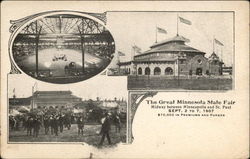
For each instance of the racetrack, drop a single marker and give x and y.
(45, 61)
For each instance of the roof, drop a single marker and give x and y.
(109, 104)
(174, 39)
(213, 56)
(156, 58)
(55, 95)
(175, 44)
(53, 92)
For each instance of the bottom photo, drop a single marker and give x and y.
(55, 113)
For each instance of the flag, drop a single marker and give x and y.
(14, 90)
(136, 49)
(186, 39)
(185, 21)
(160, 30)
(218, 42)
(121, 53)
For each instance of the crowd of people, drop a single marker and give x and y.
(53, 123)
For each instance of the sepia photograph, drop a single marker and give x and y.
(53, 114)
(62, 48)
(176, 50)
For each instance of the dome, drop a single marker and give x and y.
(175, 44)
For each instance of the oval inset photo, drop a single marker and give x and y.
(63, 48)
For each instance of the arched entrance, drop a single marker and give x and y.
(199, 71)
(157, 71)
(139, 71)
(169, 71)
(147, 71)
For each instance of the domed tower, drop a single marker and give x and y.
(215, 64)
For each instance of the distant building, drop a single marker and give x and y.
(107, 105)
(122, 107)
(15, 103)
(172, 57)
(60, 99)
(227, 70)
(42, 99)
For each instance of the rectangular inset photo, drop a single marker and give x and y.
(175, 50)
(88, 113)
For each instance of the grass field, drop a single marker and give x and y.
(90, 135)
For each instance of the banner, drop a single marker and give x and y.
(121, 53)
(218, 42)
(185, 21)
(160, 30)
(136, 49)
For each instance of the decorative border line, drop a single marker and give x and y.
(134, 100)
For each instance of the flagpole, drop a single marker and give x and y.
(134, 51)
(177, 24)
(213, 44)
(156, 34)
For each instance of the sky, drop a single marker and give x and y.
(105, 87)
(139, 28)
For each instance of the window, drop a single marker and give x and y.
(139, 71)
(169, 71)
(199, 61)
(157, 71)
(147, 71)
(181, 61)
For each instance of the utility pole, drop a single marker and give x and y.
(178, 71)
(177, 24)
(37, 44)
(82, 48)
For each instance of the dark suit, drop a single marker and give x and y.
(105, 130)
(80, 124)
(36, 126)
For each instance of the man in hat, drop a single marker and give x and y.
(30, 126)
(60, 122)
(46, 123)
(55, 124)
(51, 124)
(80, 124)
(106, 126)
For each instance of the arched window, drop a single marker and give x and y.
(147, 71)
(169, 71)
(139, 71)
(157, 71)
